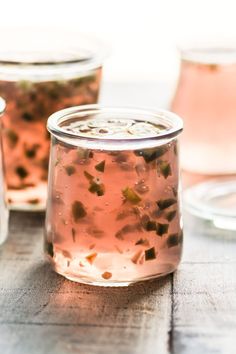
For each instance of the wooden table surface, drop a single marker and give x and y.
(192, 311)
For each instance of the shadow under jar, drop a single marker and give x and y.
(35, 83)
(113, 215)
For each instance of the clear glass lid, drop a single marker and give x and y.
(114, 127)
(209, 54)
(213, 201)
(23, 50)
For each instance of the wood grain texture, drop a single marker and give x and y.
(41, 312)
(204, 294)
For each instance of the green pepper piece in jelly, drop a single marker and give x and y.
(151, 225)
(131, 196)
(164, 168)
(27, 117)
(172, 240)
(100, 166)
(165, 203)
(151, 154)
(150, 254)
(12, 137)
(161, 229)
(170, 215)
(21, 172)
(78, 211)
(70, 170)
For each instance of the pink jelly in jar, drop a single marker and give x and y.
(113, 216)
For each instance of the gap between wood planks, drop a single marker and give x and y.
(171, 331)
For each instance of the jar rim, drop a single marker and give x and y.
(63, 51)
(209, 54)
(164, 116)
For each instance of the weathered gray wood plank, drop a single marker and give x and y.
(67, 317)
(208, 247)
(204, 295)
(73, 339)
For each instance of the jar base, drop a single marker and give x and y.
(88, 280)
(28, 199)
(27, 207)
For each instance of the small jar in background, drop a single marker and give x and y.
(40, 73)
(113, 216)
(4, 214)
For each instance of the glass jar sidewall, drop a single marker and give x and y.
(50, 233)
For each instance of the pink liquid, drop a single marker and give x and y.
(206, 99)
(25, 138)
(117, 223)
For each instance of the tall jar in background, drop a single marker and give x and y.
(206, 99)
(3, 207)
(40, 73)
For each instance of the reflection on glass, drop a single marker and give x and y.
(3, 208)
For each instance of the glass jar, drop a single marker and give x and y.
(113, 215)
(4, 214)
(39, 77)
(206, 99)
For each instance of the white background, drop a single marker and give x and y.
(143, 33)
